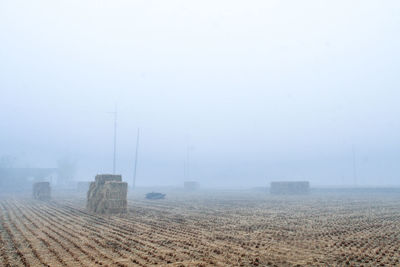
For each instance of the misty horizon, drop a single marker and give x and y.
(260, 92)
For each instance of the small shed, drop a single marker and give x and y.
(22, 179)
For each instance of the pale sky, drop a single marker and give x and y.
(262, 90)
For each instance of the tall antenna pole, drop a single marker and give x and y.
(184, 169)
(115, 140)
(354, 166)
(136, 158)
(187, 163)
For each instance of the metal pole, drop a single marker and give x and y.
(184, 169)
(187, 164)
(115, 140)
(136, 158)
(354, 166)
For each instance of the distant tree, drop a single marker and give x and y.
(66, 169)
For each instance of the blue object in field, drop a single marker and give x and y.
(154, 195)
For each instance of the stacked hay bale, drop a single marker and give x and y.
(190, 185)
(290, 188)
(107, 195)
(42, 191)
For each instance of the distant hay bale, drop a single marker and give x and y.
(190, 186)
(42, 191)
(290, 188)
(107, 195)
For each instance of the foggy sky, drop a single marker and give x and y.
(260, 90)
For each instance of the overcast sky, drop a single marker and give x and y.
(260, 90)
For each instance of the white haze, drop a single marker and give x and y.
(261, 90)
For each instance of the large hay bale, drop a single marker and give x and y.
(190, 185)
(107, 195)
(290, 188)
(102, 178)
(42, 191)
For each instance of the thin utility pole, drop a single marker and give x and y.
(187, 164)
(354, 166)
(136, 158)
(184, 169)
(115, 139)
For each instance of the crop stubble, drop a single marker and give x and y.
(202, 230)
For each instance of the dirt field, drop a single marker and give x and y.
(227, 229)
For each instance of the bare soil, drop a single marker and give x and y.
(204, 229)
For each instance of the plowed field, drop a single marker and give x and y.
(229, 229)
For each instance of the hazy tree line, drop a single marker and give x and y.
(66, 167)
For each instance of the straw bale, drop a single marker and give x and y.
(102, 178)
(42, 191)
(107, 195)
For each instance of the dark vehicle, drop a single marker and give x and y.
(154, 195)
